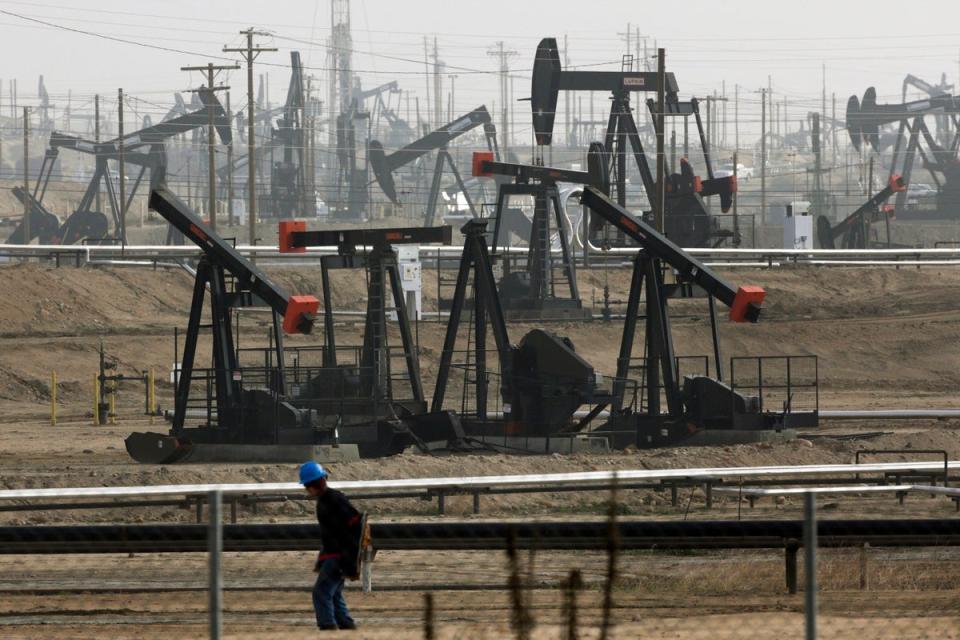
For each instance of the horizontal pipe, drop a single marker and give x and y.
(427, 251)
(470, 483)
(481, 536)
(888, 414)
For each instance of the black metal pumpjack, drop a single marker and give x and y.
(535, 293)
(143, 148)
(244, 416)
(703, 402)
(854, 230)
(288, 179)
(362, 397)
(688, 222)
(864, 119)
(384, 165)
(542, 380)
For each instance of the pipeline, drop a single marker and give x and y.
(483, 536)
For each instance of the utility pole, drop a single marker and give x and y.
(123, 175)
(833, 131)
(211, 70)
(250, 54)
(503, 55)
(723, 124)
(230, 221)
(426, 77)
(26, 175)
(661, 161)
(96, 137)
(736, 118)
(437, 86)
(453, 97)
(566, 94)
(763, 156)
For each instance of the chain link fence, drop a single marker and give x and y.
(620, 562)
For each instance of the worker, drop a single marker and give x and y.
(338, 559)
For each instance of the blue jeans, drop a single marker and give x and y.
(328, 602)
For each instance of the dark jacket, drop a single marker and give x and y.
(338, 524)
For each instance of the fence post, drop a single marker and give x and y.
(810, 564)
(53, 398)
(96, 401)
(152, 393)
(215, 549)
(864, 567)
(366, 571)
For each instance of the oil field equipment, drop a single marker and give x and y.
(144, 149)
(384, 165)
(686, 219)
(252, 419)
(289, 193)
(542, 380)
(698, 402)
(107, 383)
(853, 232)
(864, 119)
(375, 403)
(539, 292)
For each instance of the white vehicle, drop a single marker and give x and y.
(743, 172)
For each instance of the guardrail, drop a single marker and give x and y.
(477, 486)
(157, 254)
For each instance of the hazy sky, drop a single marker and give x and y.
(708, 43)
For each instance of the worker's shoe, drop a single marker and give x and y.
(328, 627)
(349, 625)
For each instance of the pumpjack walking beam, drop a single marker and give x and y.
(656, 252)
(384, 165)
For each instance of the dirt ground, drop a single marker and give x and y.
(884, 338)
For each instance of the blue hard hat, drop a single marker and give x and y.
(310, 471)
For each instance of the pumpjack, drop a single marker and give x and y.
(384, 165)
(289, 195)
(853, 232)
(687, 220)
(375, 402)
(143, 148)
(864, 119)
(288, 406)
(538, 292)
(700, 402)
(249, 419)
(542, 380)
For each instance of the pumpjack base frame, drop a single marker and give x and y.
(495, 435)
(532, 314)
(645, 432)
(161, 448)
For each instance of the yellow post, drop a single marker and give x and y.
(113, 408)
(152, 393)
(96, 401)
(53, 398)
